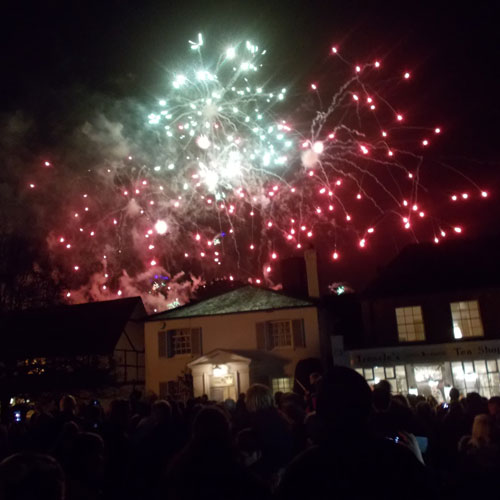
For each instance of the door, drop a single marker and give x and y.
(217, 394)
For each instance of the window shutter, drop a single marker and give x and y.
(196, 348)
(262, 337)
(299, 338)
(162, 344)
(170, 343)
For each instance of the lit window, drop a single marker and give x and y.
(284, 384)
(466, 319)
(395, 375)
(410, 324)
(181, 341)
(480, 376)
(280, 333)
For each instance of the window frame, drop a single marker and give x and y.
(178, 334)
(404, 327)
(168, 343)
(466, 319)
(278, 384)
(272, 334)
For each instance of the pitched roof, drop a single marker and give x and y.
(218, 356)
(451, 265)
(92, 328)
(244, 299)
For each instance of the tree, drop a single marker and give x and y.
(25, 279)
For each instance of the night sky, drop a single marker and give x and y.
(57, 54)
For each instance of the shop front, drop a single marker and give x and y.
(432, 370)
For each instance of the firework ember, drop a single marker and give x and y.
(225, 182)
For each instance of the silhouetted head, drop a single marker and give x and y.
(344, 399)
(424, 410)
(229, 405)
(381, 399)
(31, 476)
(292, 405)
(384, 385)
(482, 430)
(248, 447)
(400, 399)
(86, 458)
(454, 394)
(259, 397)
(475, 404)
(161, 411)
(494, 406)
(211, 426)
(67, 404)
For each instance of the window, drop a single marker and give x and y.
(410, 324)
(280, 333)
(179, 341)
(395, 375)
(466, 319)
(480, 376)
(284, 384)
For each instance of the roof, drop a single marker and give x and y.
(451, 265)
(92, 328)
(244, 299)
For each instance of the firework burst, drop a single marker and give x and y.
(225, 186)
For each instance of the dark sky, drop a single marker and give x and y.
(122, 48)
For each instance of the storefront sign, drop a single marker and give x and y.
(456, 351)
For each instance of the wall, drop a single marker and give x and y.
(230, 332)
(129, 355)
(379, 315)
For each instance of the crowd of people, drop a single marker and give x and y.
(343, 441)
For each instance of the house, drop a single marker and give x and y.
(221, 345)
(431, 321)
(72, 347)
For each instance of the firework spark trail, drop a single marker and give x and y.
(229, 187)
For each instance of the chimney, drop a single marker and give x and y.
(312, 273)
(299, 275)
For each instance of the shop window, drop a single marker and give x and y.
(395, 375)
(283, 384)
(430, 381)
(491, 365)
(480, 376)
(379, 373)
(466, 319)
(410, 324)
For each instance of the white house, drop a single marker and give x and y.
(227, 342)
